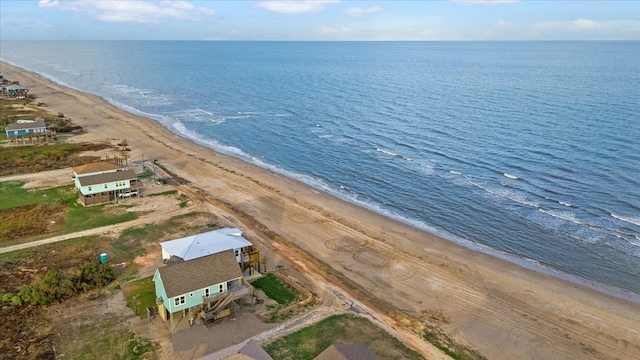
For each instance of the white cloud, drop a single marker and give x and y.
(490, 2)
(328, 30)
(295, 7)
(359, 11)
(131, 11)
(575, 25)
(588, 29)
(503, 25)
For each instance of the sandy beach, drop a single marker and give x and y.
(495, 307)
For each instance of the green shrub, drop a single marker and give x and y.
(56, 286)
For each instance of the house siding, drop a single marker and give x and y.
(190, 301)
(23, 132)
(106, 187)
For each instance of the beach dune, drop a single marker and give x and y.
(495, 307)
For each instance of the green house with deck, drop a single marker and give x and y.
(201, 290)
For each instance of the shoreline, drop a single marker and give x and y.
(390, 252)
(518, 260)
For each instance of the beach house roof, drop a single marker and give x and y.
(36, 124)
(107, 177)
(96, 167)
(188, 276)
(211, 242)
(347, 352)
(16, 87)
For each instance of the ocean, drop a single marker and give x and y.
(529, 151)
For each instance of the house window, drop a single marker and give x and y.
(179, 300)
(105, 186)
(89, 188)
(191, 295)
(220, 288)
(207, 292)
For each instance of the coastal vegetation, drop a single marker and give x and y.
(139, 295)
(68, 274)
(307, 343)
(35, 158)
(275, 289)
(457, 354)
(12, 111)
(56, 286)
(28, 215)
(117, 345)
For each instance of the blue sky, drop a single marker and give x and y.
(320, 20)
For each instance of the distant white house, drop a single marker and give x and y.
(104, 181)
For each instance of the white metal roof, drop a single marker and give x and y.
(208, 243)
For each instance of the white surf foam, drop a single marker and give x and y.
(510, 176)
(630, 220)
(388, 152)
(508, 194)
(564, 215)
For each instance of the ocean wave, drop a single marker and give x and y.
(568, 216)
(566, 203)
(510, 176)
(388, 152)
(507, 194)
(630, 220)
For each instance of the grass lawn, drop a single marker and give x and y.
(13, 195)
(139, 295)
(275, 289)
(116, 345)
(345, 329)
(29, 215)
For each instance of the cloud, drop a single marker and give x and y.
(295, 7)
(490, 2)
(131, 11)
(358, 11)
(328, 30)
(591, 29)
(503, 25)
(575, 25)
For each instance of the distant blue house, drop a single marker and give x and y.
(15, 90)
(26, 127)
